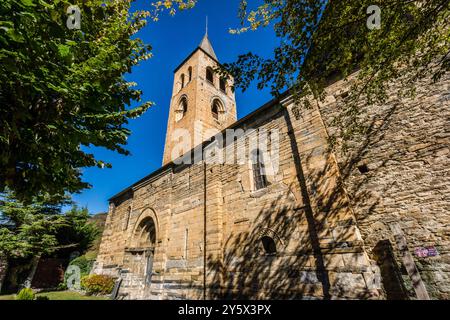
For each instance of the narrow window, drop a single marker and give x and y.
(182, 109)
(184, 105)
(215, 110)
(210, 75)
(269, 245)
(259, 176)
(186, 242)
(190, 74)
(182, 81)
(223, 85)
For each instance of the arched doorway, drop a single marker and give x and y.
(142, 249)
(145, 233)
(145, 237)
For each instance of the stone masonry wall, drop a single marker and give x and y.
(330, 214)
(200, 94)
(319, 251)
(399, 172)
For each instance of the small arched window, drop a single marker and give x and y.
(269, 245)
(217, 109)
(190, 74)
(182, 81)
(210, 75)
(259, 174)
(223, 85)
(182, 109)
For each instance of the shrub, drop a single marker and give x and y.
(62, 286)
(97, 284)
(85, 264)
(42, 298)
(25, 294)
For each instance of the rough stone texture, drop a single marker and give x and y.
(320, 253)
(319, 250)
(329, 222)
(200, 94)
(407, 153)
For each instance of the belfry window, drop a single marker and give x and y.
(182, 109)
(190, 74)
(217, 109)
(223, 85)
(210, 75)
(259, 175)
(182, 81)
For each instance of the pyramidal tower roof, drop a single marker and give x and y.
(206, 46)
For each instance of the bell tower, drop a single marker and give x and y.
(201, 102)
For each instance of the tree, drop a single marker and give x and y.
(29, 230)
(325, 40)
(322, 40)
(63, 88)
(77, 229)
(39, 228)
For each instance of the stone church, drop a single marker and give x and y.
(315, 223)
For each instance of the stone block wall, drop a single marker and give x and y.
(200, 93)
(303, 209)
(399, 172)
(330, 214)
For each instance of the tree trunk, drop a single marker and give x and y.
(3, 270)
(34, 265)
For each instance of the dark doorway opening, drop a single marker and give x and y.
(391, 275)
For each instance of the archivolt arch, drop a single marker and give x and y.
(146, 230)
(268, 234)
(218, 109)
(182, 108)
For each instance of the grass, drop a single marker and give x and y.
(59, 295)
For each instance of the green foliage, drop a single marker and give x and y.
(39, 227)
(77, 229)
(29, 229)
(84, 263)
(320, 38)
(97, 284)
(61, 89)
(172, 6)
(324, 40)
(42, 298)
(25, 294)
(63, 285)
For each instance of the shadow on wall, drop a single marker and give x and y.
(280, 258)
(284, 256)
(301, 265)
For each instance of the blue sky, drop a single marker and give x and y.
(172, 39)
